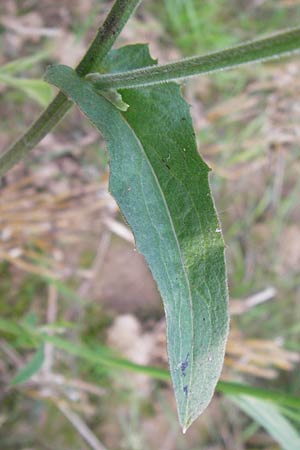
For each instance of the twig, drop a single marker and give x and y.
(25, 30)
(51, 317)
(79, 385)
(11, 353)
(81, 427)
(241, 306)
(119, 229)
(26, 266)
(101, 252)
(278, 179)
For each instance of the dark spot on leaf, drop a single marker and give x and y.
(164, 161)
(184, 365)
(186, 390)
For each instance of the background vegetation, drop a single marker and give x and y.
(68, 265)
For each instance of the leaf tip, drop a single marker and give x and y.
(52, 72)
(186, 426)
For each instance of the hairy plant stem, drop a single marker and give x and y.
(102, 43)
(277, 45)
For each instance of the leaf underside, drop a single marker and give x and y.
(161, 185)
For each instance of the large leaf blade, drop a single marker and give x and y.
(161, 186)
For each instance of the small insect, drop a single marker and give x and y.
(186, 390)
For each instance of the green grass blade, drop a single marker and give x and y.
(10, 327)
(38, 90)
(290, 413)
(22, 64)
(236, 389)
(109, 360)
(270, 418)
(31, 368)
(161, 185)
(104, 357)
(65, 290)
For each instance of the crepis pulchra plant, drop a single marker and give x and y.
(160, 183)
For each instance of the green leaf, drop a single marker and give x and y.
(22, 64)
(161, 185)
(11, 327)
(236, 389)
(31, 367)
(108, 359)
(270, 418)
(19, 331)
(104, 357)
(38, 90)
(127, 58)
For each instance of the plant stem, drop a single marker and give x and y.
(277, 45)
(102, 43)
(107, 34)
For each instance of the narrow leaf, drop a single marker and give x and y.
(22, 64)
(104, 357)
(280, 44)
(270, 418)
(88, 353)
(161, 185)
(17, 330)
(31, 367)
(231, 388)
(38, 90)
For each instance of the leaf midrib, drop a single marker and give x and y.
(180, 254)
